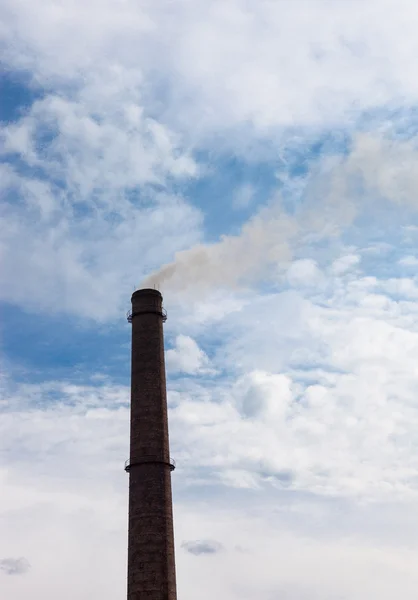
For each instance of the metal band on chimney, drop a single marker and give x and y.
(146, 461)
(130, 314)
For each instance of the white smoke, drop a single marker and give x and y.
(234, 261)
(375, 165)
(383, 166)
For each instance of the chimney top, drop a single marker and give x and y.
(146, 292)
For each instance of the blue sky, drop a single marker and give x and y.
(257, 162)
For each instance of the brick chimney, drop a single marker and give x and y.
(151, 564)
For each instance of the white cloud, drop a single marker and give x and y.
(187, 357)
(73, 496)
(345, 263)
(265, 395)
(97, 148)
(269, 446)
(269, 65)
(304, 272)
(267, 535)
(409, 261)
(401, 286)
(256, 64)
(90, 258)
(82, 213)
(322, 398)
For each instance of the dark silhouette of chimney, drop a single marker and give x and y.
(151, 565)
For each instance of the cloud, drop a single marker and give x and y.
(255, 446)
(187, 357)
(82, 259)
(14, 566)
(199, 547)
(87, 182)
(335, 364)
(317, 70)
(304, 272)
(97, 149)
(345, 263)
(264, 395)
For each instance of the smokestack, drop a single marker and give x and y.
(151, 565)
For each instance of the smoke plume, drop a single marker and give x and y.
(236, 260)
(376, 167)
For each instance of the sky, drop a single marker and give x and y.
(255, 160)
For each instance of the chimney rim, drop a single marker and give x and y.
(146, 292)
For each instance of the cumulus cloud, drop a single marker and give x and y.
(304, 272)
(187, 357)
(199, 547)
(14, 566)
(264, 395)
(97, 150)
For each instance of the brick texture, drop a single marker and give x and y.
(151, 564)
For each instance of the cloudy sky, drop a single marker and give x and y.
(257, 161)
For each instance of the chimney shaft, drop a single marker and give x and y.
(151, 565)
